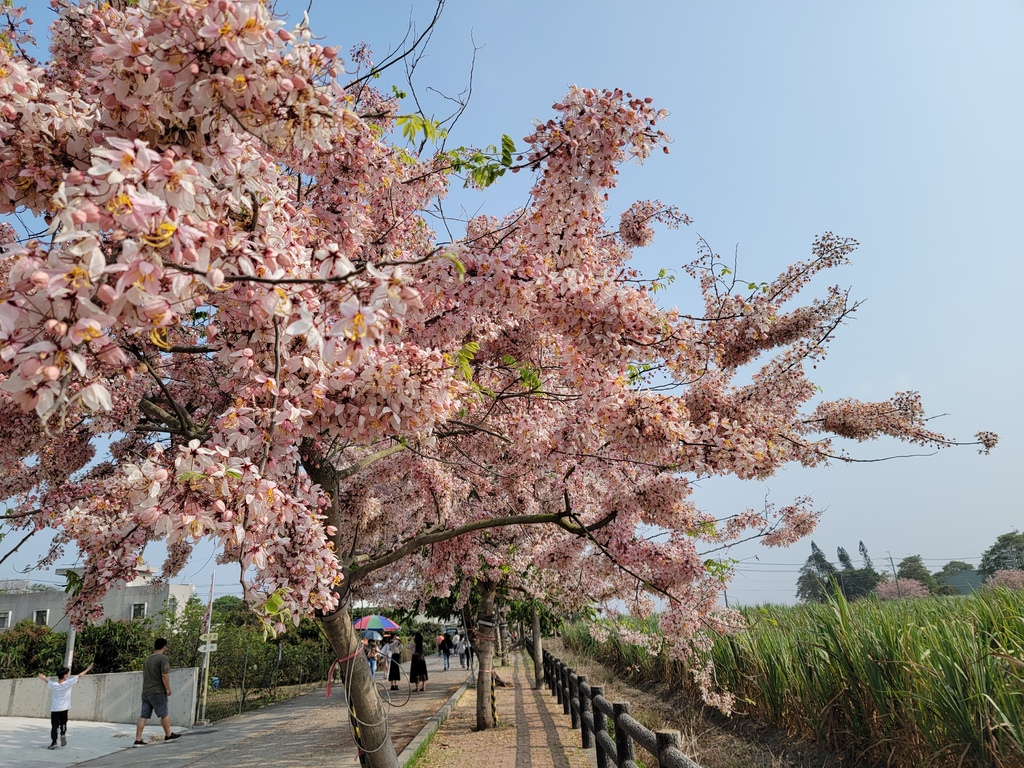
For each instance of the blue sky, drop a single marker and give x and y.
(898, 124)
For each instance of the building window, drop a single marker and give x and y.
(138, 611)
(43, 617)
(5, 619)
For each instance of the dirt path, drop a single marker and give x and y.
(713, 742)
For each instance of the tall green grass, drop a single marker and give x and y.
(936, 682)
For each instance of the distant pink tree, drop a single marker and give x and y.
(1009, 579)
(900, 589)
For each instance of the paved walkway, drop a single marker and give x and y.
(313, 730)
(306, 730)
(532, 731)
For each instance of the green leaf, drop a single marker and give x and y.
(73, 584)
(720, 569)
(460, 268)
(413, 125)
(508, 147)
(463, 359)
(274, 604)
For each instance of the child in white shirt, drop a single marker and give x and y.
(61, 703)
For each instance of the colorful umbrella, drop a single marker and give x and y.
(380, 623)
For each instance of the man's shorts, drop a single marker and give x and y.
(154, 702)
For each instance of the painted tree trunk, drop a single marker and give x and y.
(538, 651)
(365, 706)
(364, 703)
(487, 628)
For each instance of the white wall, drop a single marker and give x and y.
(114, 698)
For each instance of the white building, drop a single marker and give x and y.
(126, 602)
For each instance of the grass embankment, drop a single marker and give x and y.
(936, 682)
(225, 702)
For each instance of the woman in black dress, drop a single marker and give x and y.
(418, 667)
(395, 671)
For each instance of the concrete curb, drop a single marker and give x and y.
(434, 723)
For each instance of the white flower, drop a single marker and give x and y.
(95, 397)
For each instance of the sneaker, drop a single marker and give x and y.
(63, 740)
(139, 744)
(52, 746)
(172, 737)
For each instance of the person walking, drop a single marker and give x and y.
(60, 703)
(446, 650)
(395, 670)
(384, 657)
(371, 656)
(418, 666)
(156, 688)
(460, 650)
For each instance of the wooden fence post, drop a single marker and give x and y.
(623, 744)
(584, 706)
(667, 740)
(574, 700)
(600, 725)
(559, 666)
(565, 690)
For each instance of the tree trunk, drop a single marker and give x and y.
(538, 651)
(365, 706)
(364, 703)
(487, 627)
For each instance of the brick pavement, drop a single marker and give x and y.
(532, 732)
(313, 730)
(306, 730)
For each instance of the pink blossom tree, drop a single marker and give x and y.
(1008, 579)
(238, 298)
(901, 589)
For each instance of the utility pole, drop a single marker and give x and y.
(74, 577)
(894, 576)
(208, 646)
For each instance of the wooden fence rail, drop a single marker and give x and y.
(590, 712)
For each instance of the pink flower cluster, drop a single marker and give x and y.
(1008, 579)
(241, 296)
(901, 589)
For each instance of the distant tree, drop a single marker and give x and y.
(1007, 579)
(901, 589)
(817, 577)
(844, 559)
(913, 567)
(116, 646)
(952, 568)
(232, 611)
(1007, 554)
(868, 565)
(28, 648)
(857, 582)
(182, 631)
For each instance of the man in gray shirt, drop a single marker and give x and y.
(156, 687)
